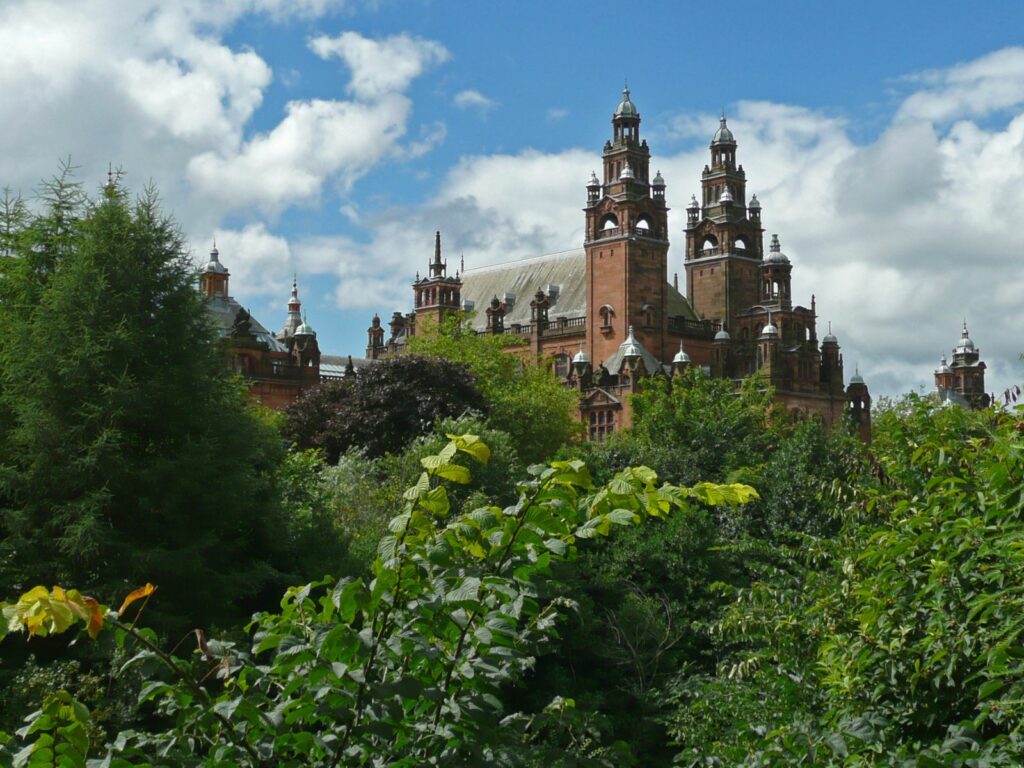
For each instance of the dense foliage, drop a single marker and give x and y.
(126, 452)
(381, 407)
(406, 667)
(822, 603)
(523, 399)
(897, 642)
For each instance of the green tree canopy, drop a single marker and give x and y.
(127, 452)
(524, 399)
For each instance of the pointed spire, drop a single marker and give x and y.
(581, 357)
(438, 268)
(681, 357)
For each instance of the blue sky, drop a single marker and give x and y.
(331, 137)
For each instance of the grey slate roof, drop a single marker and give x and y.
(524, 278)
(225, 310)
(614, 363)
(334, 365)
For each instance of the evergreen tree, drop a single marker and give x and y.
(128, 454)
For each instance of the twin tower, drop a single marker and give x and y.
(611, 304)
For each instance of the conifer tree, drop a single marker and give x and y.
(127, 453)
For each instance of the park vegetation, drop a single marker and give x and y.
(425, 565)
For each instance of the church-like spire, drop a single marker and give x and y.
(437, 268)
(294, 310)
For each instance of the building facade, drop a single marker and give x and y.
(962, 382)
(278, 366)
(607, 316)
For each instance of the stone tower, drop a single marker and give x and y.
(437, 294)
(626, 243)
(724, 244)
(965, 377)
(213, 280)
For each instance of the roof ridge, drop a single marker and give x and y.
(506, 264)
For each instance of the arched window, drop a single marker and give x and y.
(710, 243)
(609, 222)
(643, 223)
(740, 243)
(649, 313)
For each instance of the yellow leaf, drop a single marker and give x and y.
(136, 594)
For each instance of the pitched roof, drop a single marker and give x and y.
(224, 310)
(522, 279)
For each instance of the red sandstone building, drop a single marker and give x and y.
(279, 366)
(963, 381)
(607, 315)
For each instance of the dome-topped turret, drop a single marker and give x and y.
(723, 135)
(944, 366)
(659, 181)
(965, 345)
(723, 335)
(305, 329)
(626, 107)
(775, 254)
(627, 172)
(214, 265)
(755, 204)
(681, 357)
(581, 357)
(769, 330)
(857, 378)
(726, 196)
(694, 205)
(593, 182)
(829, 338)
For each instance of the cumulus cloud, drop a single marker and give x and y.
(471, 99)
(156, 89)
(380, 67)
(317, 139)
(258, 259)
(972, 89)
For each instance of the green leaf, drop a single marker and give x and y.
(453, 472)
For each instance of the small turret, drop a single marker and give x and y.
(213, 280)
(294, 311)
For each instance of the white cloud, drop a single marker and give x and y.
(471, 99)
(972, 89)
(259, 261)
(554, 114)
(380, 67)
(316, 140)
